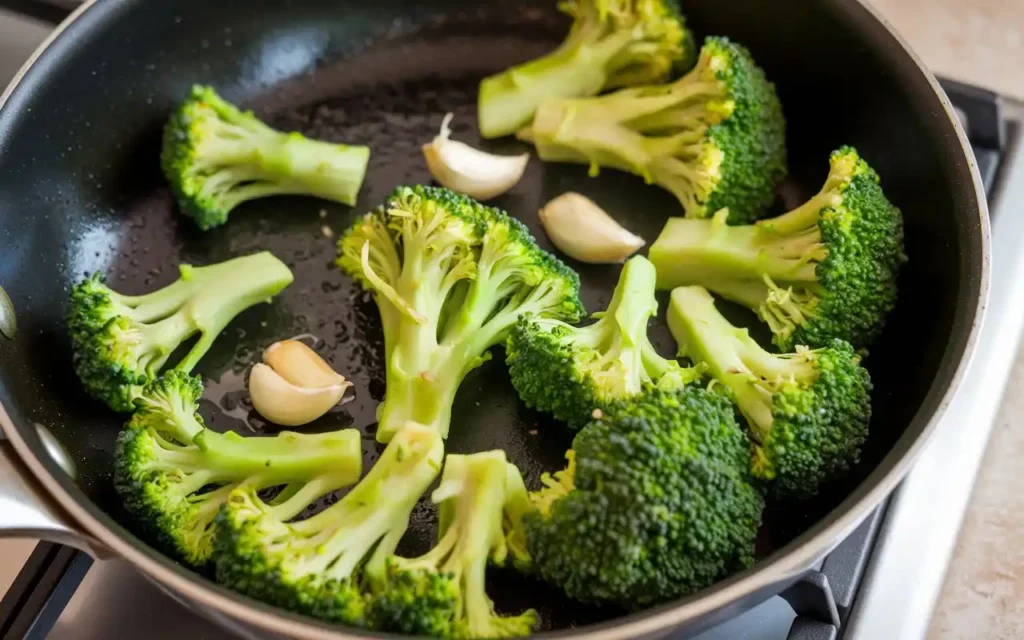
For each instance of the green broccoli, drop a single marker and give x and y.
(612, 44)
(324, 566)
(657, 502)
(441, 594)
(715, 138)
(451, 277)
(808, 411)
(216, 157)
(825, 270)
(121, 343)
(174, 474)
(572, 372)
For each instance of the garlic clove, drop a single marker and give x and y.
(584, 231)
(476, 173)
(286, 404)
(300, 365)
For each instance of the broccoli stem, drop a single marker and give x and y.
(282, 457)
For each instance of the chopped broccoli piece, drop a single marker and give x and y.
(825, 270)
(441, 594)
(216, 157)
(121, 342)
(715, 138)
(612, 44)
(572, 372)
(808, 411)
(174, 474)
(657, 502)
(323, 566)
(451, 277)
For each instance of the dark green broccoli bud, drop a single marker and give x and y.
(122, 342)
(571, 372)
(451, 277)
(174, 475)
(808, 411)
(324, 566)
(442, 594)
(825, 270)
(657, 502)
(612, 44)
(714, 138)
(216, 157)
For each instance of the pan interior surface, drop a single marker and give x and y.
(81, 191)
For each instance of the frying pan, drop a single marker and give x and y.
(80, 191)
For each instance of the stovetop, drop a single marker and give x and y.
(881, 582)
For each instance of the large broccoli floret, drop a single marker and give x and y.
(714, 138)
(825, 270)
(572, 372)
(451, 277)
(216, 157)
(174, 474)
(441, 594)
(612, 44)
(657, 502)
(808, 411)
(122, 342)
(323, 566)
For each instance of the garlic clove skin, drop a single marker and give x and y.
(585, 232)
(476, 173)
(286, 404)
(300, 365)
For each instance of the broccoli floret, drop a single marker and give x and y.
(571, 372)
(216, 157)
(808, 411)
(450, 277)
(121, 342)
(323, 566)
(612, 44)
(825, 270)
(714, 138)
(657, 502)
(441, 594)
(174, 474)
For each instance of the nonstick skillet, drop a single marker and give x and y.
(80, 191)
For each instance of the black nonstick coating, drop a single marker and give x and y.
(80, 190)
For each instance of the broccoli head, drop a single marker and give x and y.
(808, 411)
(121, 343)
(822, 271)
(216, 157)
(714, 138)
(612, 44)
(442, 594)
(572, 372)
(657, 502)
(174, 474)
(450, 277)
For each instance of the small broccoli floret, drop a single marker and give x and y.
(714, 138)
(450, 277)
(216, 157)
(174, 474)
(442, 594)
(656, 503)
(808, 411)
(571, 372)
(825, 270)
(612, 44)
(122, 342)
(324, 566)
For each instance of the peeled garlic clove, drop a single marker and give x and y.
(582, 230)
(462, 168)
(289, 405)
(298, 364)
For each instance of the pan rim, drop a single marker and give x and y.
(784, 565)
